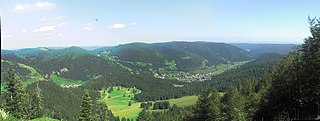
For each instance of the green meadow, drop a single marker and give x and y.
(184, 101)
(63, 81)
(118, 102)
(34, 76)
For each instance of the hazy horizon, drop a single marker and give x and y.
(100, 46)
(37, 23)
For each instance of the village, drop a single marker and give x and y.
(185, 76)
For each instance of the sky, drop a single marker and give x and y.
(62, 23)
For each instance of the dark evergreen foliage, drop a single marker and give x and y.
(161, 105)
(86, 107)
(103, 113)
(296, 84)
(174, 113)
(59, 103)
(15, 95)
(35, 106)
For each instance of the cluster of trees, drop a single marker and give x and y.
(59, 103)
(22, 71)
(161, 105)
(98, 113)
(250, 71)
(23, 105)
(295, 91)
(236, 103)
(17, 102)
(145, 105)
(174, 113)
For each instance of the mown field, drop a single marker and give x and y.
(118, 101)
(34, 76)
(184, 101)
(65, 82)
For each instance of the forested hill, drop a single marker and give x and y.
(253, 70)
(185, 54)
(72, 63)
(259, 49)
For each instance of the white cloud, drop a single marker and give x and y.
(46, 34)
(62, 24)
(60, 34)
(45, 29)
(59, 21)
(23, 30)
(43, 19)
(117, 26)
(34, 7)
(133, 24)
(6, 36)
(88, 26)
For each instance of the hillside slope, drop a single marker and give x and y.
(184, 54)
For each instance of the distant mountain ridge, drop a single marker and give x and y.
(185, 54)
(84, 64)
(259, 49)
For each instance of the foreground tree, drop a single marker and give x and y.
(14, 97)
(103, 113)
(35, 104)
(144, 115)
(295, 91)
(208, 106)
(233, 105)
(86, 107)
(310, 72)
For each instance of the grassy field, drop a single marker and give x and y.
(184, 101)
(34, 76)
(118, 100)
(65, 82)
(215, 70)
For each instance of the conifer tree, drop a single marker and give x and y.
(86, 106)
(233, 105)
(310, 73)
(103, 114)
(215, 106)
(295, 91)
(201, 109)
(15, 94)
(36, 104)
(208, 106)
(144, 115)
